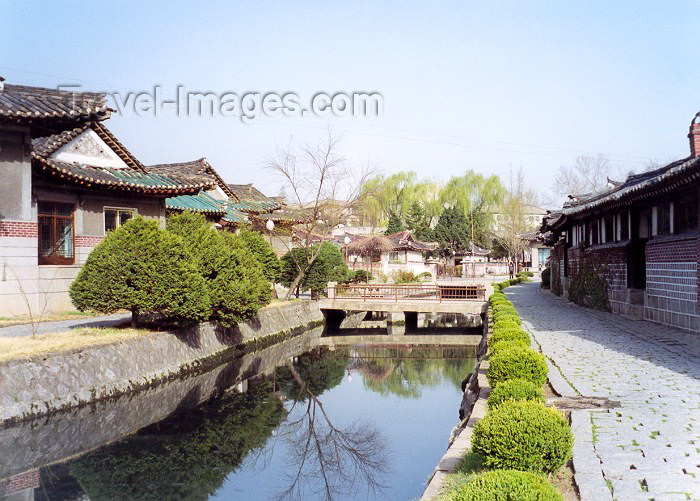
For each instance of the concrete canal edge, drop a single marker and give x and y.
(46, 384)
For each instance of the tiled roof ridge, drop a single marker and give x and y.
(123, 179)
(29, 102)
(204, 168)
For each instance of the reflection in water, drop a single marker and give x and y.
(328, 460)
(185, 457)
(305, 431)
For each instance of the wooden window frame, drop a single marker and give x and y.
(118, 209)
(55, 260)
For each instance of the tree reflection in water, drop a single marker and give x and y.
(405, 373)
(185, 457)
(189, 455)
(328, 461)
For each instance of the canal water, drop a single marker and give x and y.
(353, 416)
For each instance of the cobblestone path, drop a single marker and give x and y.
(649, 447)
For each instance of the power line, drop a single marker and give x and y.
(631, 159)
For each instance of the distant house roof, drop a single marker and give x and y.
(199, 167)
(248, 193)
(676, 175)
(132, 177)
(403, 240)
(25, 104)
(478, 251)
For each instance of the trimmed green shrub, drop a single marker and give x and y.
(499, 315)
(362, 276)
(235, 280)
(505, 322)
(506, 345)
(517, 363)
(506, 485)
(510, 334)
(513, 281)
(263, 252)
(523, 435)
(514, 389)
(143, 269)
(546, 278)
(504, 307)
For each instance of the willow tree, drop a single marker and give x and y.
(383, 196)
(513, 223)
(477, 197)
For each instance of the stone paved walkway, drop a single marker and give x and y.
(649, 447)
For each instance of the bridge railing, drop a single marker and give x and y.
(407, 292)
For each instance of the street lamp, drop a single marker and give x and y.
(346, 240)
(270, 225)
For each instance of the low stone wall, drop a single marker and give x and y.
(46, 384)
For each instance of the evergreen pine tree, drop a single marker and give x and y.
(144, 269)
(394, 225)
(452, 230)
(417, 222)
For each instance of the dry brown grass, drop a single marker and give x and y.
(51, 317)
(12, 348)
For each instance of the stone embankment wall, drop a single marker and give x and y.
(50, 439)
(45, 384)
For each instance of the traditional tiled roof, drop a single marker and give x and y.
(249, 193)
(675, 175)
(91, 177)
(132, 178)
(26, 104)
(197, 167)
(234, 216)
(283, 216)
(48, 145)
(404, 241)
(255, 207)
(202, 202)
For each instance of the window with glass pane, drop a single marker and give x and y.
(685, 212)
(114, 218)
(56, 234)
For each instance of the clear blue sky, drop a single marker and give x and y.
(481, 85)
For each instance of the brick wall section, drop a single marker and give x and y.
(19, 482)
(87, 241)
(19, 229)
(672, 283)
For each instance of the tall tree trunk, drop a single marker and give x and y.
(300, 276)
(134, 319)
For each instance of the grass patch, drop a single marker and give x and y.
(471, 464)
(12, 348)
(52, 317)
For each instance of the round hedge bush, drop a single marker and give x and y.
(523, 435)
(510, 334)
(498, 301)
(517, 363)
(514, 389)
(506, 485)
(495, 347)
(497, 296)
